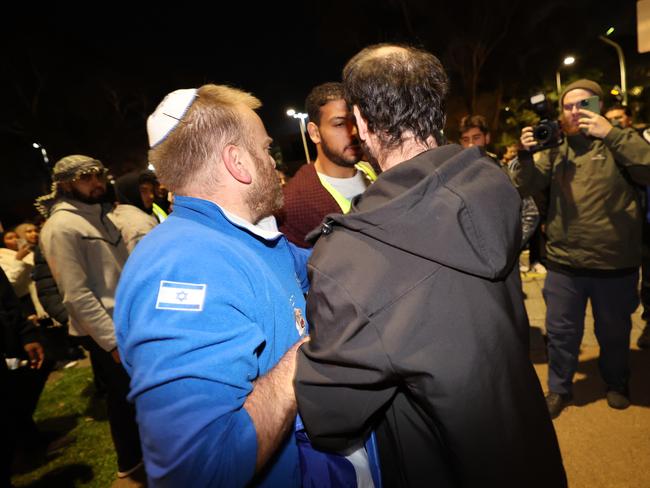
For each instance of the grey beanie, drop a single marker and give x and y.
(584, 84)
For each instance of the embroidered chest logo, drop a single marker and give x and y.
(600, 156)
(301, 323)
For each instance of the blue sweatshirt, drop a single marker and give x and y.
(207, 304)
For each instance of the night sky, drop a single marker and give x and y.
(82, 82)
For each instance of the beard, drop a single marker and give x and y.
(97, 196)
(339, 159)
(568, 127)
(265, 195)
(372, 158)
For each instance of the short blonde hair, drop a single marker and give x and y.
(211, 123)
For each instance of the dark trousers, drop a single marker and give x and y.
(613, 300)
(537, 247)
(7, 427)
(27, 385)
(121, 413)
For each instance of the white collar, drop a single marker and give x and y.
(267, 228)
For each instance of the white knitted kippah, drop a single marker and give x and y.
(168, 114)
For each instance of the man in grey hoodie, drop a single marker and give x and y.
(418, 327)
(86, 254)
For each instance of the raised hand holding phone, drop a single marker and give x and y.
(591, 103)
(591, 122)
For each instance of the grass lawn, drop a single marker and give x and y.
(68, 405)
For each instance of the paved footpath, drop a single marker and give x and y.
(601, 447)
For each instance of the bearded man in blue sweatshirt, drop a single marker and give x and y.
(210, 307)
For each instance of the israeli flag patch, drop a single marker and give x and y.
(186, 297)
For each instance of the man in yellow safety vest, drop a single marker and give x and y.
(336, 176)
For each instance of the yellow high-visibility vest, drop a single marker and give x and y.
(159, 213)
(343, 202)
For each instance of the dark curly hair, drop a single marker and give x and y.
(398, 88)
(319, 96)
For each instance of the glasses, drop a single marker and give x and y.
(86, 176)
(578, 105)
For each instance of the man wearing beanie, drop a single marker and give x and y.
(594, 239)
(86, 254)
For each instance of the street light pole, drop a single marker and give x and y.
(301, 117)
(301, 120)
(568, 61)
(621, 65)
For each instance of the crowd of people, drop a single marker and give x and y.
(361, 325)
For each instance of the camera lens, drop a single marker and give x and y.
(541, 133)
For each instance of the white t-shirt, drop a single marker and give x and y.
(348, 187)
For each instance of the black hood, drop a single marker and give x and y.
(127, 190)
(447, 205)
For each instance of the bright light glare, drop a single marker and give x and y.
(36, 145)
(569, 60)
(609, 31)
(291, 112)
(151, 167)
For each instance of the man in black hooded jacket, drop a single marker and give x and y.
(418, 326)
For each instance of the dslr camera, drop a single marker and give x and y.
(548, 132)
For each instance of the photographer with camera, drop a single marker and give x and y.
(594, 236)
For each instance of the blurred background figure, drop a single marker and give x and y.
(282, 176)
(28, 234)
(620, 116)
(474, 131)
(59, 351)
(509, 154)
(23, 372)
(155, 196)
(16, 260)
(19, 344)
(133, 212)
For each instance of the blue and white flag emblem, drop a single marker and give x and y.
(186, 297)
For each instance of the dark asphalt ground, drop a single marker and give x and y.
(601, 447)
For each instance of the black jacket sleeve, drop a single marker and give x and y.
(343, 364)
(16, 329)
(48, 292)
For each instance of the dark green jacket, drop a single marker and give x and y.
(594, 217)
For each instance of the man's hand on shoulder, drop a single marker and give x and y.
(274, 388)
